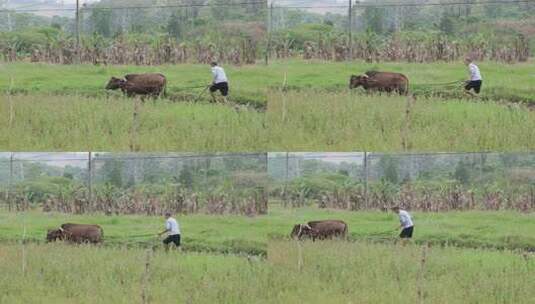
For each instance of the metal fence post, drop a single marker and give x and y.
(366, 180)
(270, 29)
(90, 177)
(10, 181)
(350, 29)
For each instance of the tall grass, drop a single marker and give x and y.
(312, 121)
(329, 272)
(58, 273)
(78, 123)
(343, 272)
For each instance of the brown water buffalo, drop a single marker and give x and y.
(320, 230)
(381, 82)
(139, 84)
(76, 233)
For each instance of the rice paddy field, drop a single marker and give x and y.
(66, 108)
(207, 233)
(501, 82)
(313, 110)
(309, 107)
(471, 257)
(467, 229)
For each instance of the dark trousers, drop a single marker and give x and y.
(475, 84)
(172, 239)
(406, 233)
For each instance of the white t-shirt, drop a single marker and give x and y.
(475, 74)
(219, 74)
(405, 219)
(172, 226)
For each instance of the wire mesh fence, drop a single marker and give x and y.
(428, 182)
(414, 31)
(140, 32)
(134, 183)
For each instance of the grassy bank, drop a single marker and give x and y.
(340, 272)
(223, 234)
(472, 229)
(78, 123)
(322, 121)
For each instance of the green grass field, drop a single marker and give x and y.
(224, 260)
(501, 82)
(345, 272)
(66, 108)
(55, 107)
(88, 80)
(239, 234)
(222, 234)
(473, 229)
(250, 83)
(312, 109)
(322, 121)
(304, 272)
(58, 273)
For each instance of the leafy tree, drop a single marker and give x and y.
(390, 168)
(447, 24)
(461, 173)
(101, 20)
(374, 18)
(112, 171)
(186, 177)
(174, 26)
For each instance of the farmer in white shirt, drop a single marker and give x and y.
(475, 81)
(173, 232)
(405, 221)
(220, 82)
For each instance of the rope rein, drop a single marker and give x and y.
(443, 83)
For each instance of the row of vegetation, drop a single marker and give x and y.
(227, 31)
(142, 186)
(431, 184)
(411, 46)
(412, 33)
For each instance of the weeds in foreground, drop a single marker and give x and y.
(315, 121)
(76, 123)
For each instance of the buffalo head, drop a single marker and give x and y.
(301, 230)
(115, 83)
(356, 81)
(55, 234)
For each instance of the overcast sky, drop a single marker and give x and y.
(333, 157)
